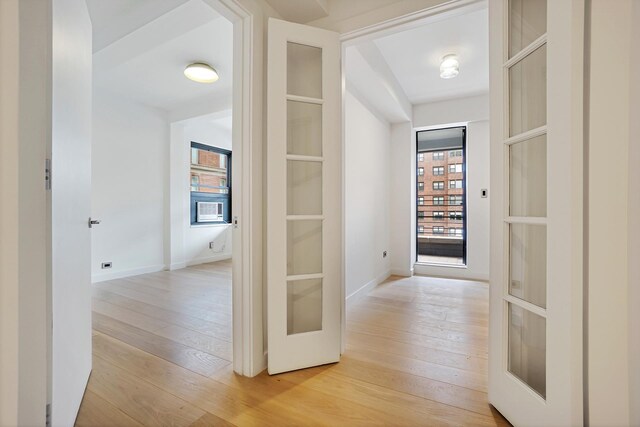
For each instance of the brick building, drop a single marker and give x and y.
(208, 170)
(440, 193)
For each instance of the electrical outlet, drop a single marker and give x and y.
(211, 245)
(107, 265)
(384, 254)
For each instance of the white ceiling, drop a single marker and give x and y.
(395, 71)
(415, 55)
(146, 54)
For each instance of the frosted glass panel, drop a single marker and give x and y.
(304, 306)
(304, 70)
(527, 22)
(528, 348)
(528, 92)
(528, 263)
(304, 128)
(304, 247)
(528, 178)
(304, 188)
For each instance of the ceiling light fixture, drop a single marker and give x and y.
(201, 73)
(449, 67)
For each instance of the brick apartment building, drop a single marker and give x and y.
(440, 193)
(208, 170)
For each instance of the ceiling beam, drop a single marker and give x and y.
(179, 21)
(380, 67)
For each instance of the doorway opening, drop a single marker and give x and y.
(441, 219)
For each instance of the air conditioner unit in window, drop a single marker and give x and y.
(209, 212)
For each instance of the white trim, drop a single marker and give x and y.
(460, 272)
(358, 294)
(112, 275)
(208, 259)
(403, 273)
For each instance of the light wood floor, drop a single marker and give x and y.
(416, 356)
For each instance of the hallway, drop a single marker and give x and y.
(416, 355)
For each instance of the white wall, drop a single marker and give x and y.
(190, 244)
(609, 287)
(475, 112)
(367, 198)
(130, 145)
(403, 220)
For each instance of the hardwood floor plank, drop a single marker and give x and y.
(97, 412)
(187, 357)
(211, 345)
(210, 420)
(139, 399)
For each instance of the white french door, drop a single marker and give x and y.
(304, 242)
(535, 351)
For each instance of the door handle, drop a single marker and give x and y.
(93, 222)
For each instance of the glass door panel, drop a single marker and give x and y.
(528, 92)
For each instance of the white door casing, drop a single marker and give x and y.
(304, 212)
(535, 338)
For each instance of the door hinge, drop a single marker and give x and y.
(47, 174)
(47, 420)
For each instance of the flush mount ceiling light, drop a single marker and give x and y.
(449, 67)
(201, 73)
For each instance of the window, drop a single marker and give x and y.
(438, 155)
(420, 214)
(421, 157)
(421, 229)
(210, 184)
(455, 200)
(438, 185)
(455, 153)
(420, 171)
(421, 186)
(438, 170)
(420, 200)
(438, 230)
(455, 183)
(438, 200)
(456, 216)
(455, 232)
(455, 168)
(438, 215)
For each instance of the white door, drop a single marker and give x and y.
(70, 209)
(535, 351)
(304, 241)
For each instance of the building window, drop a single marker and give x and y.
(438, 230)
(210, 182)
(420, 171)
(455, 153)
(420, 214)
(455, 183)
(455, 216)
(438, 200)
(455, 232)
(420, 201)
(438, 185)
(421, 186)
(438, 155)
(421, 157)
(421, 229)
(455, 168)
(455, 200)
(438, 215)
(438, 170)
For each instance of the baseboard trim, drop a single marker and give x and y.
(214, 258)
(449, 273)
(111, 275)
(401, 272)
(362, 291)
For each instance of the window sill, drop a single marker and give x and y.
(436, 264)
(220, 224)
